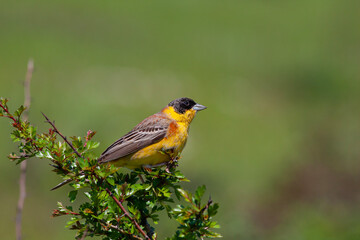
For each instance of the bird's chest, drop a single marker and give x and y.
(168, 148)
(175, 139)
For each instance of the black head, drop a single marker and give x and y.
(182, 104)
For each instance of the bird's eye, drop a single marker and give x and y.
(186, 104)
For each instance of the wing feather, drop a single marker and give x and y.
(151, 130)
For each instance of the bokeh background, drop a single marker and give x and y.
(278, 146)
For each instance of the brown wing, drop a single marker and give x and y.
(149, 131)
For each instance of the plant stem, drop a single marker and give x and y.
(126, 213)
(22, 179)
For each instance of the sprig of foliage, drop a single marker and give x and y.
(117, 205)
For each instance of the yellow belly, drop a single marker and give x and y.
(155, 154)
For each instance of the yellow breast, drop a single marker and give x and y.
(163, 151)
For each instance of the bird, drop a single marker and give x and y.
(156, 140)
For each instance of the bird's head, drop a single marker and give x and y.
(183, 109)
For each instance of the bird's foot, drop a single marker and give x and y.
(171, 165)
(147, 168)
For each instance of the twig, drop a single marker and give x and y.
(69, 143)
(30, 70)
(22, 180)
(141, 179)
(205, 207)
(61, 184)
(120, 230)
(144, 221)
(8, 115)
(107, 190)
(126, 213)
(147, 226)
(84, 234)
(62, 136)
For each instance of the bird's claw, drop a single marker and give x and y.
(172, 164)
(148, 169)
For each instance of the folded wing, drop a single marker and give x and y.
(152, 130)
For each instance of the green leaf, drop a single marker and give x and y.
(39, 155)
(3, 102)
(88, 195)
(199, 193)
(165, 192)
(101, 216)
(32, 131)
(19, 111)
(185, 195)
(83, 163)
(72, 195)
(92, 145)
(74, 220)
(103, 195)
(133, 210)
(212, 210)
(101, 173)
(111, 181)
(48, 155)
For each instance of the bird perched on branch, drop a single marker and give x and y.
(156, 140)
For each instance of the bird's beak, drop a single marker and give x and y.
(199, 107)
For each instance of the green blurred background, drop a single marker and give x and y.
(278, 146)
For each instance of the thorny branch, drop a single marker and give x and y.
(84, 234)
(107, 190)
(123, 232)
(62, 136)
(106, 225)
(126, 213)
(120, 215)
